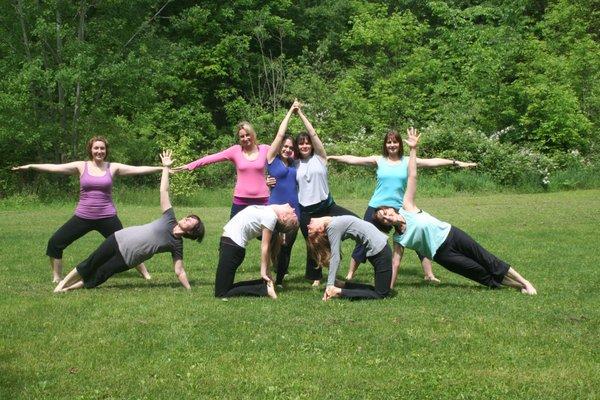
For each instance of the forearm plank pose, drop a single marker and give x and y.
(445, 244)
(392, 173)
(95, 209)
(131, 246)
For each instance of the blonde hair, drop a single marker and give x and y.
(247, 126)
(319, 248)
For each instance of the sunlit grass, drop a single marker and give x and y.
(136, 339)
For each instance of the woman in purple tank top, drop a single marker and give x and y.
(95, 209)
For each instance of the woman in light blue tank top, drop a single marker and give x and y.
(445, 244)
(392, 173)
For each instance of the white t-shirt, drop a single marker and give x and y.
(312, 180)
(249, 223)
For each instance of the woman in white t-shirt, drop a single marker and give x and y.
(313, 189)
(248, 224)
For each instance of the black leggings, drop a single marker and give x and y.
(285, 253)
(464, 256)
(382, 269)
(231, 256)
(77, 227)
(103, 263)
(312, 272)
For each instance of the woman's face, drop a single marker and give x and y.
(188, 223)
(246, 139)
(392, 145)
(98, 150)
(287, 150)
(305, 148)
(316, 226)
(386, 216)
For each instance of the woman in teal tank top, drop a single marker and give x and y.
(445, 244)
(392, 173)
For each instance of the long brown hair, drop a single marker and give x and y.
(320, 248)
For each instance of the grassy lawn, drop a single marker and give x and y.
(136, 339)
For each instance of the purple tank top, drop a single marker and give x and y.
(95, 195)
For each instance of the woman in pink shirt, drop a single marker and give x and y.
(250, 160)
(95, 209)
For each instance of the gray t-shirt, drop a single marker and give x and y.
(362, 232)
(139, 243)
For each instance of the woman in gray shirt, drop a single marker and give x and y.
(325, 236)
(129, 247)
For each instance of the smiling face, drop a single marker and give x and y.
(287, 150)
(392, 145)
(245, 138)
(305, 147)
(386, 216)
(188, 223)
(97, 150)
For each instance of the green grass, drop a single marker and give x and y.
(136, 339)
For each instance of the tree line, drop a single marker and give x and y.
(513, 85)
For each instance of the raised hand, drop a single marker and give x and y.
(412, 137)
(165, 158)
(295, 106)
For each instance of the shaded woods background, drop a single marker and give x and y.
(513, 85)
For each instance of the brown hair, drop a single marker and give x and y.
(197, 232)
(296, 154)
(247, 126)
(304, 136)
(90, 143)
(379, 224)
(319, 248)
(392, 134)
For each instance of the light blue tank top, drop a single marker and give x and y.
(391, 183)
(424, 232)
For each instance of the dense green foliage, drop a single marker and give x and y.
(136, 339)
(514, 85)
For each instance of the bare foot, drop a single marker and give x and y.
(349, 276)
(56, 279)
(431, 279)
(271, 290)
(528, 289)
(316, 283)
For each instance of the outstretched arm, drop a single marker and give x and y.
(181, 275)
(316, 142)
(224, 155)
(278, 141)
(264, 254)
(354, 160)
(412, 141)
(125, 170)
(165, 201)
(71, 168)
(442, 162)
